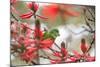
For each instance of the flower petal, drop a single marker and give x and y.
(47, 43)
(33, 6)
(58, 54)
(27, 15)
(50, 11)
(55, 61)
(76, 54)
(65, 53)
(89, 59)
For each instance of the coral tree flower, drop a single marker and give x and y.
(38, 34)
(26, 15)
(28, 46)
(47, 43)
(85, 56)
(62, 55)
(29, 54)
(33, 6)
(84, 46)
(53, 10)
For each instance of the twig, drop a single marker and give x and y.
(85, 17)
(91, 30)
(53, 50)
(91, 45)
(91, 14)
(57, 45)
(14, 17)
(21, 24)
(44, 57)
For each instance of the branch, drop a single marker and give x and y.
(85, 17)
(57, 45)
(14, 17)
(91, 45)
(91, 14)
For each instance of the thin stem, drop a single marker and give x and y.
(14, 17)
(91, 45)
(53, 50)
(57, 45)
(41, 17)
(44, 57)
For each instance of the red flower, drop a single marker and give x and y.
(27, 15)
(20, 39)
(29, 33)
(72, 59)
(38, 33)
(47, 43)
(53, 10)
(62, 56)
(55, 61)
(84, 47)
(29, 54)
(33, 6)
(65, 52)
(29, 42)
(77, 55)
(58, 54)
(25, 26)
(89, 58)
(85, 57)
(50, 11)
(13, 1)
(44, 43)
